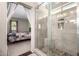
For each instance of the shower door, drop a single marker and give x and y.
(41, 27)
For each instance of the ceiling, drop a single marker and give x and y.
(20, 12)
(57, 4)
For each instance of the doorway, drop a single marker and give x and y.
(18, 29)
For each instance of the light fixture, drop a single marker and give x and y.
(45, 3)
(64, 14)
(39, 26)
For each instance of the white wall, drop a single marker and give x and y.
(33, 43)
(23, 25)
(3, 29)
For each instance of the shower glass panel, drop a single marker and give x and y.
(41, 27)
(56, 28)
(64, 30)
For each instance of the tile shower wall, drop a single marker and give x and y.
(42, 32)
(65, 39)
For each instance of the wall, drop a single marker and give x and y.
(3, 29)
(65, 39)
(33, 34)
(78, 28)
(41, 32)
(23, 25)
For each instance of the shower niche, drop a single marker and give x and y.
(61, 23)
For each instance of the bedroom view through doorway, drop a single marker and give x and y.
(18, 29)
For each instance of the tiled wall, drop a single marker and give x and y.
(65, 39)
(41, 32)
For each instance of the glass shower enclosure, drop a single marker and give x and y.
(56, 28)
